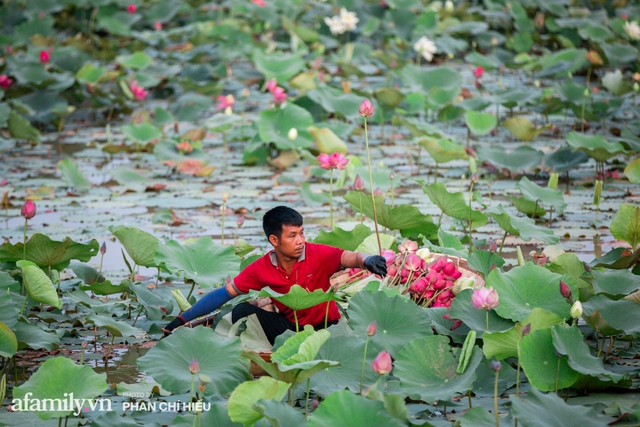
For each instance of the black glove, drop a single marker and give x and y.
(172, 325)
(376, 264)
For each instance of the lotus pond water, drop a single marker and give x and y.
(488, 149)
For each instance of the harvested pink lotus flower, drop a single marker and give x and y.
(45, 56)
(389, 256)
(184, 147)
(414, 262)
(5, 81)
(225, 101)
(408, 246)
(28, 210)
(358, 184)
(419, 287)
(139, 93)
(392, 270)
(485, 298)
(131, 8)
(366, 108)
(382, 364)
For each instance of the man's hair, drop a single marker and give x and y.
(275, 218)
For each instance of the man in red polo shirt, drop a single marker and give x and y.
(292, 261)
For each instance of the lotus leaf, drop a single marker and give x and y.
(279, 413)
(55, 379)
(442, 150)
(632, 171)
(143, 132)
(571, 265)
(221, 122)
(426, 80)
(389, 98)
(347, 240)
(525, 228)
(129, 178)
(30, 335)
(140, 245)
(8, 341)
(521, 158)
(370, 244)
(344, 408)
(247, 394)
(615, 282)
(610, 317)
(153, 305)
(106, 288)
(72, 175)
(298, 298)
(618, 54)
(523, 129)
(484, 384)
(21, 128)
(565, 159)
(485, 261)
(38, 284)
(453, 204)
(274, 126)
(281, 66)
(479, 60)
(9, 312)
(477, 417)
(189, 106)
(596, 146)
(166, 150)
(333, 100)
(327, 141)
(462, 309)
(543, 410)
(115, 327)
(546, 195)
(480, 124)
(626, 225)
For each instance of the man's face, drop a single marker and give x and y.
(291, 242)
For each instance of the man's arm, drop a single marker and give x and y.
(210, 302)
(374, 263)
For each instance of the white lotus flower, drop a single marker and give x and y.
(633, 29)
(349, 19)
(426, 48)
(448, 6)
(335, 24)
(436, 6)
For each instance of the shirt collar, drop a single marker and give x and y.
(274, 260)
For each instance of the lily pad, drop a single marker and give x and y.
(56, 379)
(115, 327)
(565, 159)
(621, 315)
(140, 245)
(143, 132)
(189, 106)
(427, 367)
(30, 335)
(195, 260)
(136, 61)
(219, 358)
(327, 141)
(596, 146)
(344, 408)
(274, 126)
(626, 225)
(281, 66)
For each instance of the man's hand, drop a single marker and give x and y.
(172, 325)
(376, 264)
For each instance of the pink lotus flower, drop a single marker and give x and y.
(28, 210)
(45, 56)
(184, 147)
(271, 85)
(225, 101)
(279, 96)
(382, 364)
(259, 3)
(5, 82)
(372, 328)
(333, 161)
(478, 73)
(131, 8)
(157, 25)
(485, 298)
(358, 184)
(138, 92)
(408, 246)
(366, 108)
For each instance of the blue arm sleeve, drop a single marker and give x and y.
(207, 304)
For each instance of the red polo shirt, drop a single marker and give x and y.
(312, 271)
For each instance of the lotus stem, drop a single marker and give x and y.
(331, 199)
(364, 360)
(138, 315)
(495, 398)
(106, 357)
(295, 316)
(222, 208)
(487, 317)
(558, 373)
(193, 285)
(193, 382)
(24, 247)
(373, 199)
(306, 407)
(469, 396)
(502, 243)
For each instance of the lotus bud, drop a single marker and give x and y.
(28, 210)
(586, 92)
(371, 329)
(225, 196)
(424, 253)
(587, 267)
(496, 365)
(382, 364)
(576, 310)
(84, 344)
(526, 329)
(494, 41)
(636, 87)
(485, 298)
(240, 221)
(245, 92)
(553, 181)
(358, 184)
(103, 248)
(448, 6)
(597, 192)
(493, 248)
(293, 134)
(636, 76)
(565, 291)
(366, 108)
(536, 83)
(194, 367)
(392, 176)
(228, 111)
(377, 192)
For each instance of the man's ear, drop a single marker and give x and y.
(273, 239)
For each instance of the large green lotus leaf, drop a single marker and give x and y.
(480, 124)
(370, 244)
(626, 225)
(453, 204)
(571, 265)
(21, 128)
(524, 288)
(427, 367)
(621, 315)
(153, 305)
(166, 150)
(568, 340)
(327, 141)
(632, 171)
(347, 240)
(401, 217)
(9, 312)
(522, 227)
(137, 60)
(462, 309)
(219, 358)
(542, 363)
(486, 62)
(301, 347)
(59, 377)
(247, 394)
(89, 73)
(129, 178)
(442, 150)
(72, 175)
(38, 284)
(398, 320)
(274, 126)
(485, 381)
(521, 158)
(8, 341)
(421, 79)
(279, 413)
(106, 288)
(47, 253)
(596, 146)
(544, 195)
(477, 417)
(388, 97)
(615, 282)
(523, 129)
(544, 410)
(116, 22)
(142, 132)
(203, 261)
(565, 159)
(346, 409)
(419, 128)
(618, 53)
(348, 349)
(281, 66)
(527, 207)
(298, 298)
(595, 32)
(484, 261)
(222, 122)
(505, 344)
(140, 245)
(30, 335)
(334, 100)
(189, 106)
(115, 327)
